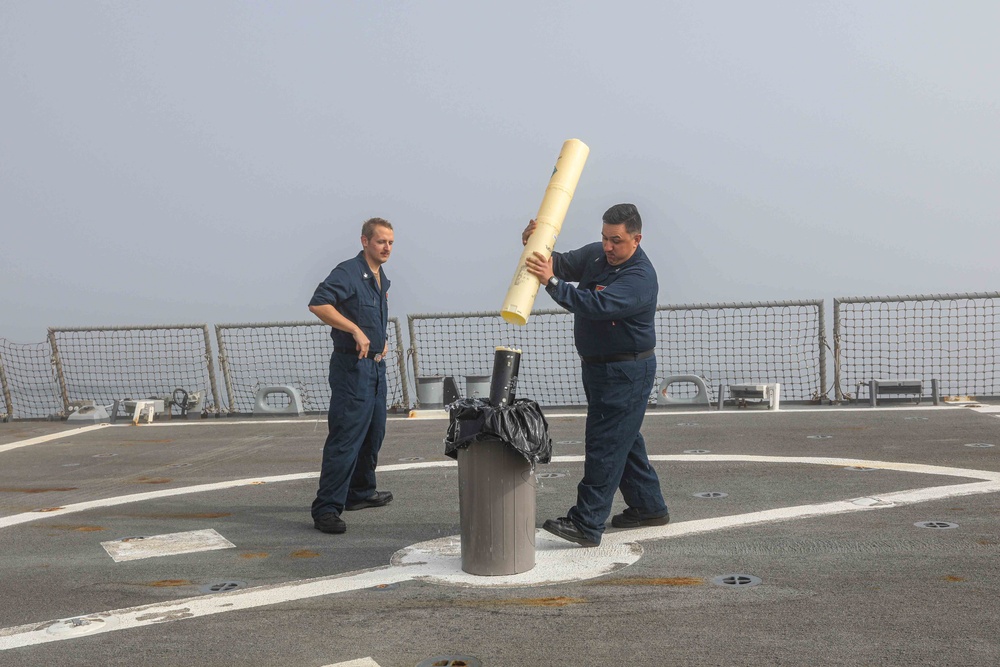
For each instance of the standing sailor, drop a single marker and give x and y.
(614, 311)
(353, 300)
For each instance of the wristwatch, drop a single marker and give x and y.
(553, 282)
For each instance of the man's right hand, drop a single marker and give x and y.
(526, 234)
(362, 343)
(330, 315)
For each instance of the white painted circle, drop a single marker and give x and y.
(556, 561)
(81, 625)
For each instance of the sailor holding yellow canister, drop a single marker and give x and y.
(614, 308)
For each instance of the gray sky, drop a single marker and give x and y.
(179, 162)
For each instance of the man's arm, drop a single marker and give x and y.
(332, 316)
(629, 294)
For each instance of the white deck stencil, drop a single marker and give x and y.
(171, 544)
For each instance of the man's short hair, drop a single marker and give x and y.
(624, 214)
(368, 228)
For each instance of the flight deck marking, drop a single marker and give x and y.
(45, 513)
(51, 436)
(170, 544)
(994, 410)
(439, 561)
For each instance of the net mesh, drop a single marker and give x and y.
(745, 344)
(108, 364)
(950, 338)
(463, 345)
(725, 344)
(28, 380)
(295, 354)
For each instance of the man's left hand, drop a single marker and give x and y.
(540, 267)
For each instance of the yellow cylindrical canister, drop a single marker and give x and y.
(559, 193)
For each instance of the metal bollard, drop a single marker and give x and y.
(496, 492)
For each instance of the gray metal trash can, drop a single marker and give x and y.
(496, 493)
(430, 392)
(496, 489)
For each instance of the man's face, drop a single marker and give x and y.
(379, 246)
(619, 245)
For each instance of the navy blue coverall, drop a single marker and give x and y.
(358, 393)
(614, 309)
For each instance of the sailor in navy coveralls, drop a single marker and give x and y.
(352, 300)
(614, 308)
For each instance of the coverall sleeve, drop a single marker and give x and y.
(334, 290)
(629, 294)
(569, 265)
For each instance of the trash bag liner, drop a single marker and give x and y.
(521, 425)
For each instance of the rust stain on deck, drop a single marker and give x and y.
(651, 581)
(169, 583)
(154, 480)
(304, 553)
(525, 602)
(11, 489)
(183, 515)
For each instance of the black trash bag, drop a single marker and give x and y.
(520, 425)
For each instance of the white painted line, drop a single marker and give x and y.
(170, 544)
(206, 605)
(40, 514)
(437, 561)
(787, 409)
(50, 437)
(48, 512)
(223, 422)
(431, 415)
(800, 512)
(363, 662)
(26, 517)
(918, 468)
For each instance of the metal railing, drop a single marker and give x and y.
(297, 354)
(951, 338)
(105, 364)
(770, 341)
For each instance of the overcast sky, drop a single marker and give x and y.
(187, 162)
